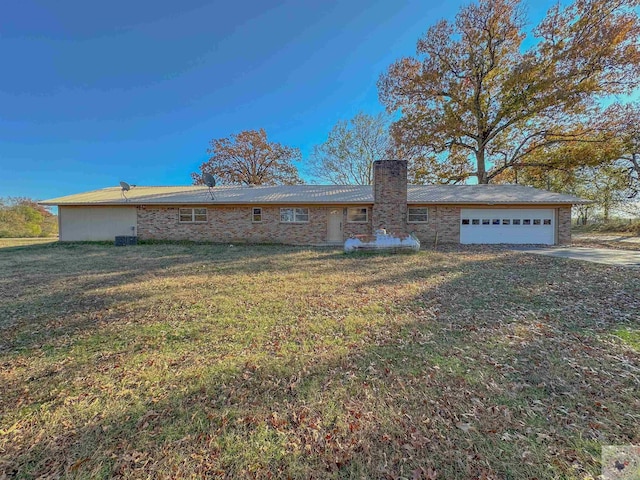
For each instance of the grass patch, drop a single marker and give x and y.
(186, 360)
(613, 226)
(629, 337)
(25, 242)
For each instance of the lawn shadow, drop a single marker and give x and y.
(493, 365)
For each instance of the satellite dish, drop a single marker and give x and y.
(125, 188)
(209, 180)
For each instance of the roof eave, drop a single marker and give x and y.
(192, 202)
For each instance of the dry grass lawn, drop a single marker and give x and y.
(17, 242)
(204, 361)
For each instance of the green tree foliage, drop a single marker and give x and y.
(473, 98)
(23, 217)
(248, 158)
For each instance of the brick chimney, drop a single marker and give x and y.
(390, 195)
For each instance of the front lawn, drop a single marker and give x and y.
(174, 361)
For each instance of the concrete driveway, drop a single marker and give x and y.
(625, 258)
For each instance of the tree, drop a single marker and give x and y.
(248, 158)
(622, 123)
(474, 94)
(606, 185)
(554, 166)
(23, 217)
(347, 156)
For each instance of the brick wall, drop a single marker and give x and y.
(442, 220)
(233, 224)
(564, 225)
(390, 195)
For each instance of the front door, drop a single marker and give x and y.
(334, 226)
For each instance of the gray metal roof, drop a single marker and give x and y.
(314, 194)
(487, 195)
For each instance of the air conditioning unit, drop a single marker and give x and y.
(124, 240)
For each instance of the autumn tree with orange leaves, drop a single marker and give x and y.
(248, 158)
(474, 99)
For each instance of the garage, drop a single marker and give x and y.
(508, 225)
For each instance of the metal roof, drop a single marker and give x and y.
(314, 194)
(487, 195)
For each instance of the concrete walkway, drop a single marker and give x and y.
(625, 258)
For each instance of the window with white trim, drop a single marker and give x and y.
(357, 215)
(193, 215)
(417, 215)
(256, 214)
(294, 215)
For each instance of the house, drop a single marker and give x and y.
(321, 214)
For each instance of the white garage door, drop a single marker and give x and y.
(502, 225)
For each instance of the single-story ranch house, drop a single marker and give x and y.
(321, 214)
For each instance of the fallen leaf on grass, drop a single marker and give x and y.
(465, 427)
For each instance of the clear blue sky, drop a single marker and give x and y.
(92, 93)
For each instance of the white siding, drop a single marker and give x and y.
(534, 225)
(96, 223)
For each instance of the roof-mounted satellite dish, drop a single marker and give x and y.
(209, 181)
(125, 188)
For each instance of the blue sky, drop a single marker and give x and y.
(92, 93)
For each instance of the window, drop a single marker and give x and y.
(193, 215)
(357, 215)
(536, 221)
(465, 221)
(417, 214)
(294, 215)
(256, 215)
(526, 221)
(475, 221)
(495, 221)
(547, 221)
(486, 221)
(516, 221)
(506, 221)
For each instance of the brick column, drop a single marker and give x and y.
(564, 225)
(390, 195)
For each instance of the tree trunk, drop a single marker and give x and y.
(482, 171)
(635, 162)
